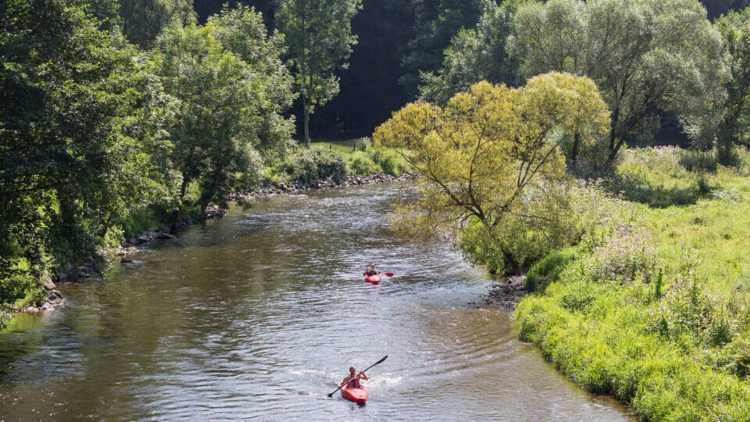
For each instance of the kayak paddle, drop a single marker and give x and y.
(368, 368)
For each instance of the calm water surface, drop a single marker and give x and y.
(257, 316)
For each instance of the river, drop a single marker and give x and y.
(258, 315)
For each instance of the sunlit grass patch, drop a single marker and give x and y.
(661, 319)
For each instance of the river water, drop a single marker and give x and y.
(258, 315)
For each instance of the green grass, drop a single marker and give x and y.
(359, 157)
(657, 313)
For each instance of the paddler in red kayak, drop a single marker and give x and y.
(371, 271)
(352, 380)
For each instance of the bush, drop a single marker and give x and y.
(19, 286)
(655, 176)
(698, 161)
(362, 144)
(734, 358)
(389, 161)
(310, 165)
(627, 256)
(362, 165)
(548, 269)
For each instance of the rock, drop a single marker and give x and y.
(131, 263)
(165, 236)
(47, 282)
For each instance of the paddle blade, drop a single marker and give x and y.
(389, 274)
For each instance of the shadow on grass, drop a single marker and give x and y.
(633, 189)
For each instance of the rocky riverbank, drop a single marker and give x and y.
(506, 293)
(123, 254)
(301, 187)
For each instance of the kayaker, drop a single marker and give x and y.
(352, 380)
(371, 271)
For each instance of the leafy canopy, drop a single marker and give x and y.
(646, 56)
(480, 153)
(735, 32)
(229, 110)
(320, 39)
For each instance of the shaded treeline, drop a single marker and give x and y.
(398, 39)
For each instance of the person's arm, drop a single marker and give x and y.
(363, 376)
(344, 382)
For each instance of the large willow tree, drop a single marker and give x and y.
(480, 154)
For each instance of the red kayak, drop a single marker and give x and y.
(357, 395)
(372, 279)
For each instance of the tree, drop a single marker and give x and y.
(73, 99)
(480, 153)
(475, 55)
(143, 20)
(229, 110)
(735, 31)
(320, 39)
(242, 31)
(647, 57)
(435, 23)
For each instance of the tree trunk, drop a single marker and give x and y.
(306, 123)
(574, 152)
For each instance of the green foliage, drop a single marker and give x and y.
(143, 20)
(474, 55)
(389, 161)
(311, 165)
(18, 285)
(320, 39)
(78, 127)
(639, 60)
(626, 256)
(231, 91)
(548, 269)
(241, 30)
(735, 32)
(362, 164)
(659, 177)
(490, 152)
(654, 308)
(435, 23)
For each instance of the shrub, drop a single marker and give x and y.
(548, 269)
(698, 161)
(389, 161)
(362, 165)
(19, 286)
(734, 358)
(310, 165)
(655, 176)
(362, 144)
(628, 255)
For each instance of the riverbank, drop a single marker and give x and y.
(223, 324)
(136, 244)
(654, 309)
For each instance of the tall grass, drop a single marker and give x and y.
(656, 310)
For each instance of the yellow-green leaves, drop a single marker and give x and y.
(480, 152)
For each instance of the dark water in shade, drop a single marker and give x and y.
(257, 317)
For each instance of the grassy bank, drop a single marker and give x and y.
(654, 306)
(334, 160)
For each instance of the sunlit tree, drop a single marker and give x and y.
(478, 155)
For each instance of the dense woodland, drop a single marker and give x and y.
(600, 148)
